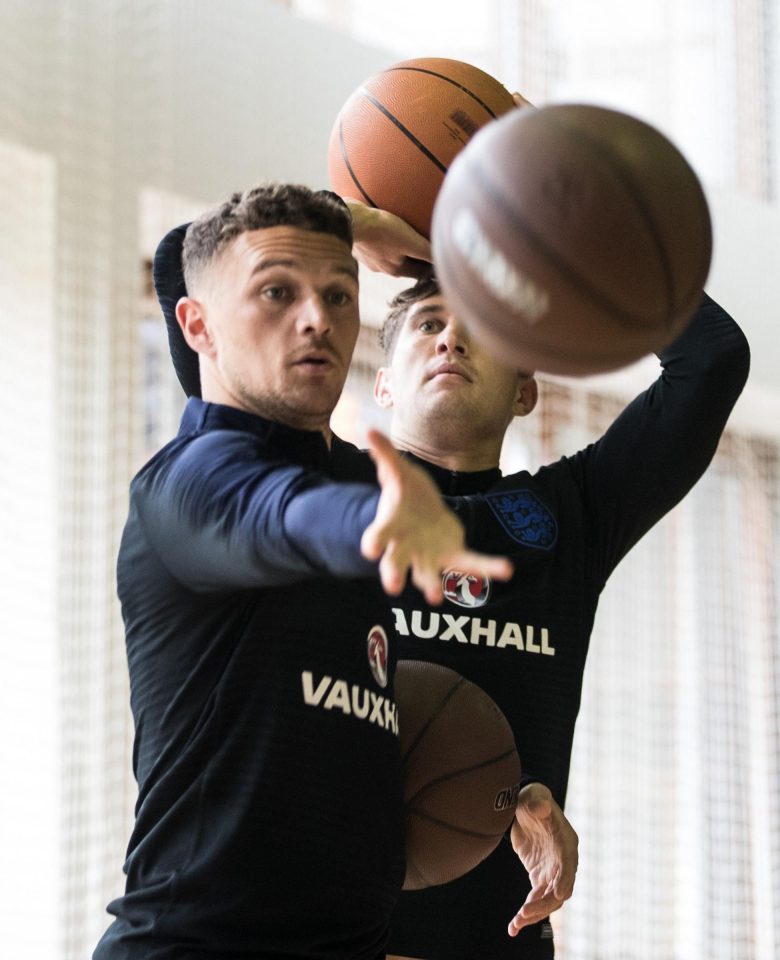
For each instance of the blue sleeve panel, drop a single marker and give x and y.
(222, 515)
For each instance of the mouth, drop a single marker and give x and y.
(450, 371)
(315, 362)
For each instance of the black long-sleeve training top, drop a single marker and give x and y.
(268, 821)
(525, 642)
(234, 655)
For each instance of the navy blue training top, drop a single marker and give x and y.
(525, 642)
(268, 821)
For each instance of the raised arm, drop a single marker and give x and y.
(385, 243)
(664, 440)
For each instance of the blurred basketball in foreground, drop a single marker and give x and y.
(396, 135)
(573, 239)
(461, 772)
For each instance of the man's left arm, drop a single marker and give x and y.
(546, 844)
(664, 440)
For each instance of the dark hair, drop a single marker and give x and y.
(266, 205)
(400, 306)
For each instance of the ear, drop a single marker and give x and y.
(526, 396)
(191, 316)
(383, 395)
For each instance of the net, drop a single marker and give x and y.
(110, 130)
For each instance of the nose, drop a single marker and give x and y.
(314, 316)
(453, 338)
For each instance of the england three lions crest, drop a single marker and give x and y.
(525, 518)
(465, 589)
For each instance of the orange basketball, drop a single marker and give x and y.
(396, 136)
(461, 772)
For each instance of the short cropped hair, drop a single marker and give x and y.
(399, 307)
(266, 205)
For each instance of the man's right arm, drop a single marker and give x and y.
(220, 518)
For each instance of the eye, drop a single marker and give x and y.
(340, 298)
(275, 292)
(428, 326)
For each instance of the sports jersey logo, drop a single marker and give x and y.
(377, 654)
(525, 518)
(338, 695)
(464, 589)
(498, 634)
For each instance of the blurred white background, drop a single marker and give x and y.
(121, 118)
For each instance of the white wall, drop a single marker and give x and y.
(114, 98)
(105, 103)
(745, 278)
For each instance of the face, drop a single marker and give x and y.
(276, 319)
(440, 378)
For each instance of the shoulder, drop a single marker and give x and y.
(199, 452)
(211, 470)
(350, 463)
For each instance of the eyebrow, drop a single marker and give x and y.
(431, 308)
(350, 271)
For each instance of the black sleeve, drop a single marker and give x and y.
(662, 443)
(168, 276)
(219, 518)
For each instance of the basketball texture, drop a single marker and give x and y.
(574, 239)
(461, 772)
(396, 136)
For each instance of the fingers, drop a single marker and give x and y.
(372, 544)
(400, 263)
(536, 801)
(564, 886)
(396, 562)
(413, 529)
(540, 903)
(417, 247)
(547, 844)
(520, 100)
(386, 243)
(394, 567)
(380, 446)
(532, 912)
(428, 582)
(479, 564)
(415, 268)
(392, 570)
(399, 238)
(385, 456)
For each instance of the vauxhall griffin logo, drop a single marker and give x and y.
(377, 654)
(464, 589)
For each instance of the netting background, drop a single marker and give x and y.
(120, 118)
(675, 785)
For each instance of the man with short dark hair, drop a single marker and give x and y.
(269, 820)
(566, 527)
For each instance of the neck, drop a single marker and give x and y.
(270, 410)
(464, 455)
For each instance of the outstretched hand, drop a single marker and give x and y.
(415, 531)
(546, 843)
(385, 243)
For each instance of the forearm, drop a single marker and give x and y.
(244, 525)
(662, 443)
